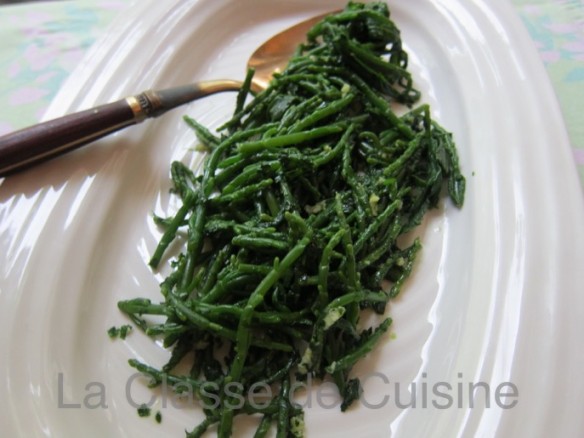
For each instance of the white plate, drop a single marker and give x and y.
(495, 298)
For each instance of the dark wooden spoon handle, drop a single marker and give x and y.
(41, 142)
(29, 146)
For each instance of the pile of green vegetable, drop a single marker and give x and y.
(292, 227)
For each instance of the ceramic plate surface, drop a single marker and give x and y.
(495, 299)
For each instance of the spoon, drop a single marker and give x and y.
(29, 146)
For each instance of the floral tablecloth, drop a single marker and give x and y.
(42, 42)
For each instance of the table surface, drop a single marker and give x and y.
(42, 42)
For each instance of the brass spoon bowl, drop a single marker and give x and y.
(29, 146)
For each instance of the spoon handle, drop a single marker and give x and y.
(29, 146)
(38, 143)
